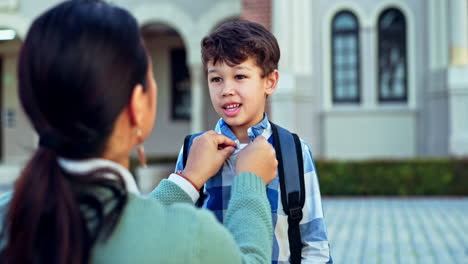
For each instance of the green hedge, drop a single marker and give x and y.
(402, 177)
(389, 177)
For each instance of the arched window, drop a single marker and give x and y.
(345, 58)
(393, 80)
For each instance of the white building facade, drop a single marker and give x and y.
(172, 31)
(359, 79)
(366, 79)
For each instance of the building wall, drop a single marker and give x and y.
(191, 19)
(435, 113)
(457, 77)
(388, 131)
(429, 124)
(17, 136)
(339, 129)
(370, 135)
(296, 104)
(167, 133)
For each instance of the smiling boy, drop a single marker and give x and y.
(238, 94)
(241, 60)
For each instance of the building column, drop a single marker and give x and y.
(458, 78)
(259, 11)
(458, 110)
(297, 101)
(197, 116)
(18, 135)
(458, 32)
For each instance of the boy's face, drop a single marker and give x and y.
(238, 93)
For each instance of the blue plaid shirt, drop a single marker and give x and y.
(312, 227)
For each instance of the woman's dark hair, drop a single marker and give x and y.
(235, 41)
(77, 68)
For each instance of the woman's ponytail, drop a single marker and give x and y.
(44, 223)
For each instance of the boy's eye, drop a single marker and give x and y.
(240, 77)
(215, 79)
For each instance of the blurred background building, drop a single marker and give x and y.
(359, 79)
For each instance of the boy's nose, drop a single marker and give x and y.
(228, 89)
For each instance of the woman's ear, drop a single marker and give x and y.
(136, 106)
(271, 82)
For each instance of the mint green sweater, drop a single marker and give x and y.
(167, 228)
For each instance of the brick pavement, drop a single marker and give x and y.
(397, 230)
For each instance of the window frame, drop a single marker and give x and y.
(403, 45)
(355, 33)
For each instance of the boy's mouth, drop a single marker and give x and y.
(231, 109)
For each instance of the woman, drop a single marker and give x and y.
(86, 84)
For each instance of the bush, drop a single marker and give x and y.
(445, 177)
(395, 177)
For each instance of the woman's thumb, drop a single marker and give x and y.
(227, 151)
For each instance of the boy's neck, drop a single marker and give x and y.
(241, 131)
(241, 134)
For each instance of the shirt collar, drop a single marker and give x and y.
(88, 165)
(263, 128)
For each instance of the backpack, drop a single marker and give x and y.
(291, 178)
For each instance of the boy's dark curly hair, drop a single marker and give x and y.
(235, 41)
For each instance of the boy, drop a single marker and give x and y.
(241, 60)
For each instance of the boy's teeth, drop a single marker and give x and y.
(232, 106)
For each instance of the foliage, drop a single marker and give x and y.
(394, 177)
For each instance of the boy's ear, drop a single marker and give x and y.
(271, 82)
(136, 106)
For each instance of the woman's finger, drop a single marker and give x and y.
(221, 140)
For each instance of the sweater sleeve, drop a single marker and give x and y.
(169, 192)
(248, 220)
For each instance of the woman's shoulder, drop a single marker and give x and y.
(149, 208)
(182, 218)
(150, 230)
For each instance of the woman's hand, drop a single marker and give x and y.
(258, 157)
(207, 153)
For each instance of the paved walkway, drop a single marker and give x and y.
(397, 230)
